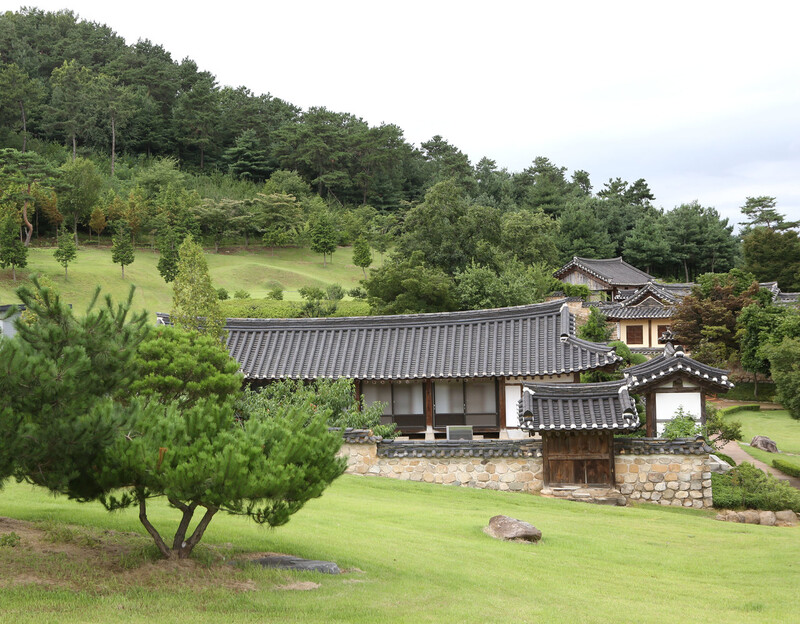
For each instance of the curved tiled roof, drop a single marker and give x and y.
(548, 407)
(620, 312)
(674, 362)
(614, 271)
(537, 339)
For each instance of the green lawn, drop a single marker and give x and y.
(777, 425)
(422, 557)
(256, 271)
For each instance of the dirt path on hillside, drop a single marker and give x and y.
(738, 455)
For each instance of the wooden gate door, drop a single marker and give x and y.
(578, 458)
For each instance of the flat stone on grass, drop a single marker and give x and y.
(287, 562)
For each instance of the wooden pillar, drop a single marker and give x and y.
(650, 414)
(501, 402)
(428, 390)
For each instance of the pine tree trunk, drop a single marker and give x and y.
(28, 225)
(755, 384)
(74, 147)
(123, 271)
(113, 144)
(75, 228)
(162, 547)
(686, 271)
(24, 128)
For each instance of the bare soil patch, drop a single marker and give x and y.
(59, 556)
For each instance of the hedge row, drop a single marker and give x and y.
(786, 467)
(734, 409)
(270, 308)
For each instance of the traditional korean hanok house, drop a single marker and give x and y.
(642, 317)
(431, 370)
(609, 275)
(577, 423)
(671, 381)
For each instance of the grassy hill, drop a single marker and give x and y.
(255, 270)
(413, 552)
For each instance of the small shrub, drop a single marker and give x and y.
(786, 467)
(357, 293)
(735, 409)
(683, 425)
(747, 487)
(241, 294)
(334, 292)
(275, 293)
(222, 294)
(10, 540)
(725, 458)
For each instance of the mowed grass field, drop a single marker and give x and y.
(255, 270)
(413, 552)
(778, 426)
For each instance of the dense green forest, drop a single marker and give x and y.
(100, 136)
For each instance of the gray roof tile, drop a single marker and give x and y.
(614, 271)
(549, 407)
(537, 339)
(673, 362)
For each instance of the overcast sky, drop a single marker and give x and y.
(701, 99)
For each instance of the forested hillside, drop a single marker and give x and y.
(100, 135)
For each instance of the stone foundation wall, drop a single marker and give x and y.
(677, 480)
(430, 463)
(655, 471)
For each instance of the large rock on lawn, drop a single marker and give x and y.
(512, 530)
(764, 443)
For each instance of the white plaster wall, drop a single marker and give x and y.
(668, 403)
(513, 395)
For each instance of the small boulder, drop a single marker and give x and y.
(766, 518)
(512, 530)
(749, 516)
(786, 518)
(764, 443)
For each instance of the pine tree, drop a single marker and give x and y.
(362, 256)
(66, 250)
(13, 252)
(195, 305)
(596, 328)
(58, 380)
(122, 251)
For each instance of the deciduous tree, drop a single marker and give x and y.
(362, 256)
(195, 306)
(122, 251)
(66, 251)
